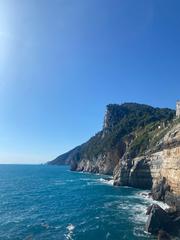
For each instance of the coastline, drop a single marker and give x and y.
(147, 212)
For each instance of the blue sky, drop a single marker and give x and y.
(63, 61)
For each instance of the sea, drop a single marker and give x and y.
(51, 202)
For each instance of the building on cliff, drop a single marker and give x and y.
(178, 108)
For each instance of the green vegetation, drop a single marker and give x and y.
(140, 126)
(140, 121)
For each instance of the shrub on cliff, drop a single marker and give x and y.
(121, 121)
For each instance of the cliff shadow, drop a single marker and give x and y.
(140, 175)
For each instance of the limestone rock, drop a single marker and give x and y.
(159, 189)
(158, 219)
(139, 145)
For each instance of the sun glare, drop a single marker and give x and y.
(6, 36)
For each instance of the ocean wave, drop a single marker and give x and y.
(148, 199)
(98, 181)
(138, 213)
(139, 232)
(59, 182)
(109, 181)
(86, 179)
(113, 204)
(70, 228)
(70, 180)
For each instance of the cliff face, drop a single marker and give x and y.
(166, 185)
(139, 145)
(158, 168)
(104, 163)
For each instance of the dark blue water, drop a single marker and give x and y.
(48, 202)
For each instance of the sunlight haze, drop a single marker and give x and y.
(62, 62)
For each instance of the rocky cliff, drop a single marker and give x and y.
(139, 145)
(158, 168)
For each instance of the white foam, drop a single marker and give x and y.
(148, 199)
(85, 179)
(162, 204)
(138, 210)
(139, 213)
(109, 182)
(139, 232)
(70, 228)
(59, 182)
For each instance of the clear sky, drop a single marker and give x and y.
(63, 61)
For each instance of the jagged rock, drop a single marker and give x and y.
(158, 219)
(159, 189)
(171, 210)
(148, 210)
(173, 200)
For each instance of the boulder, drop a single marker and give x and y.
(158, 220)
(171, 211)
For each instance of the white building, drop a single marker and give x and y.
(178, 108)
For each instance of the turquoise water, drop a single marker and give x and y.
(50, 202)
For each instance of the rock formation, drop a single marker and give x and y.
(158, 219)
(162, 222)
(139, 145)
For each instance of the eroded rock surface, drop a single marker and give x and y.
(139, 145)
(158, 219)
(159, 170)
